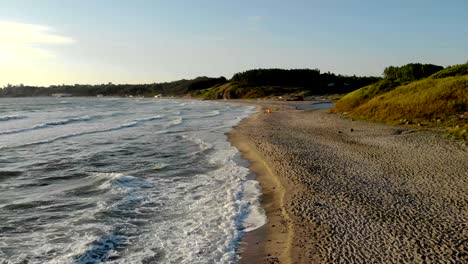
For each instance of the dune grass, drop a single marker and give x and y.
(360, 96)
(422, 100)
(429, 102)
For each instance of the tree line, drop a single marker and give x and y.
(311, 81)
(307, 79)
(176, 88)
(411, 72)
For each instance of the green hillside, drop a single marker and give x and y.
(256, 83)
(237, 91)
(360, 96)
(263, 83)
(438, 100)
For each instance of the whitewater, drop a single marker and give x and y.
(120, 180)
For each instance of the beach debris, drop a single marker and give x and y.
(351, 130)
(339, 132)
(268, 111)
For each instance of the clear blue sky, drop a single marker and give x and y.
(136, 41)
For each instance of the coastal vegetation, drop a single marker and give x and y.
(456, 70)
(258, 83)
(267, 83)
(422, 94)
(437, 100)
(411, 72)
(176, 88)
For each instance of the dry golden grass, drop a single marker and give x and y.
(429, 102)
(360, 96)
(422, 100)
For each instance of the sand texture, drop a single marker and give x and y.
(343, 191)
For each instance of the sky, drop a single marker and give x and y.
(48, 42)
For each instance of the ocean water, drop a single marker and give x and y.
(116, 180)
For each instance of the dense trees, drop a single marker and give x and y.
(265, 81)
(277, 77)
(306, 79)
(411, 72)
(332, 83)
(253, 83)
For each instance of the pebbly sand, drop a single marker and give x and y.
(343, 191)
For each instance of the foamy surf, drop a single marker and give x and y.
(134, 123)
(256, 216)
(157, 184)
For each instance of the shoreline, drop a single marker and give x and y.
(337, 190)
(273, 242)
(270, 242)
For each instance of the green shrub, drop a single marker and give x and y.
(456, 70)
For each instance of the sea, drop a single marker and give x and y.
(123, 180)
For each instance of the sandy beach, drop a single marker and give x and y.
(344, 191)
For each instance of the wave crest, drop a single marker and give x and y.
(48, 124)
(12, 117)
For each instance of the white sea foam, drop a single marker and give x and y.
(121, 182)
(48, 124)
(12, 117)
(175, 122)
(188, 212)
(202, 144)
(146, 119)
(256, 216)
(71, 135)
(80, 119)
(107, 178)
(160, 166)
(76, 252)
(212, 113)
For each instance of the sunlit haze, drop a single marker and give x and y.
(54, 42)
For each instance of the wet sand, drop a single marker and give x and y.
(343, 191)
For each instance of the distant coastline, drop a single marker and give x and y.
(249, 84)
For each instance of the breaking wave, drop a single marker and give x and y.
(49, 124)
(12, 117)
